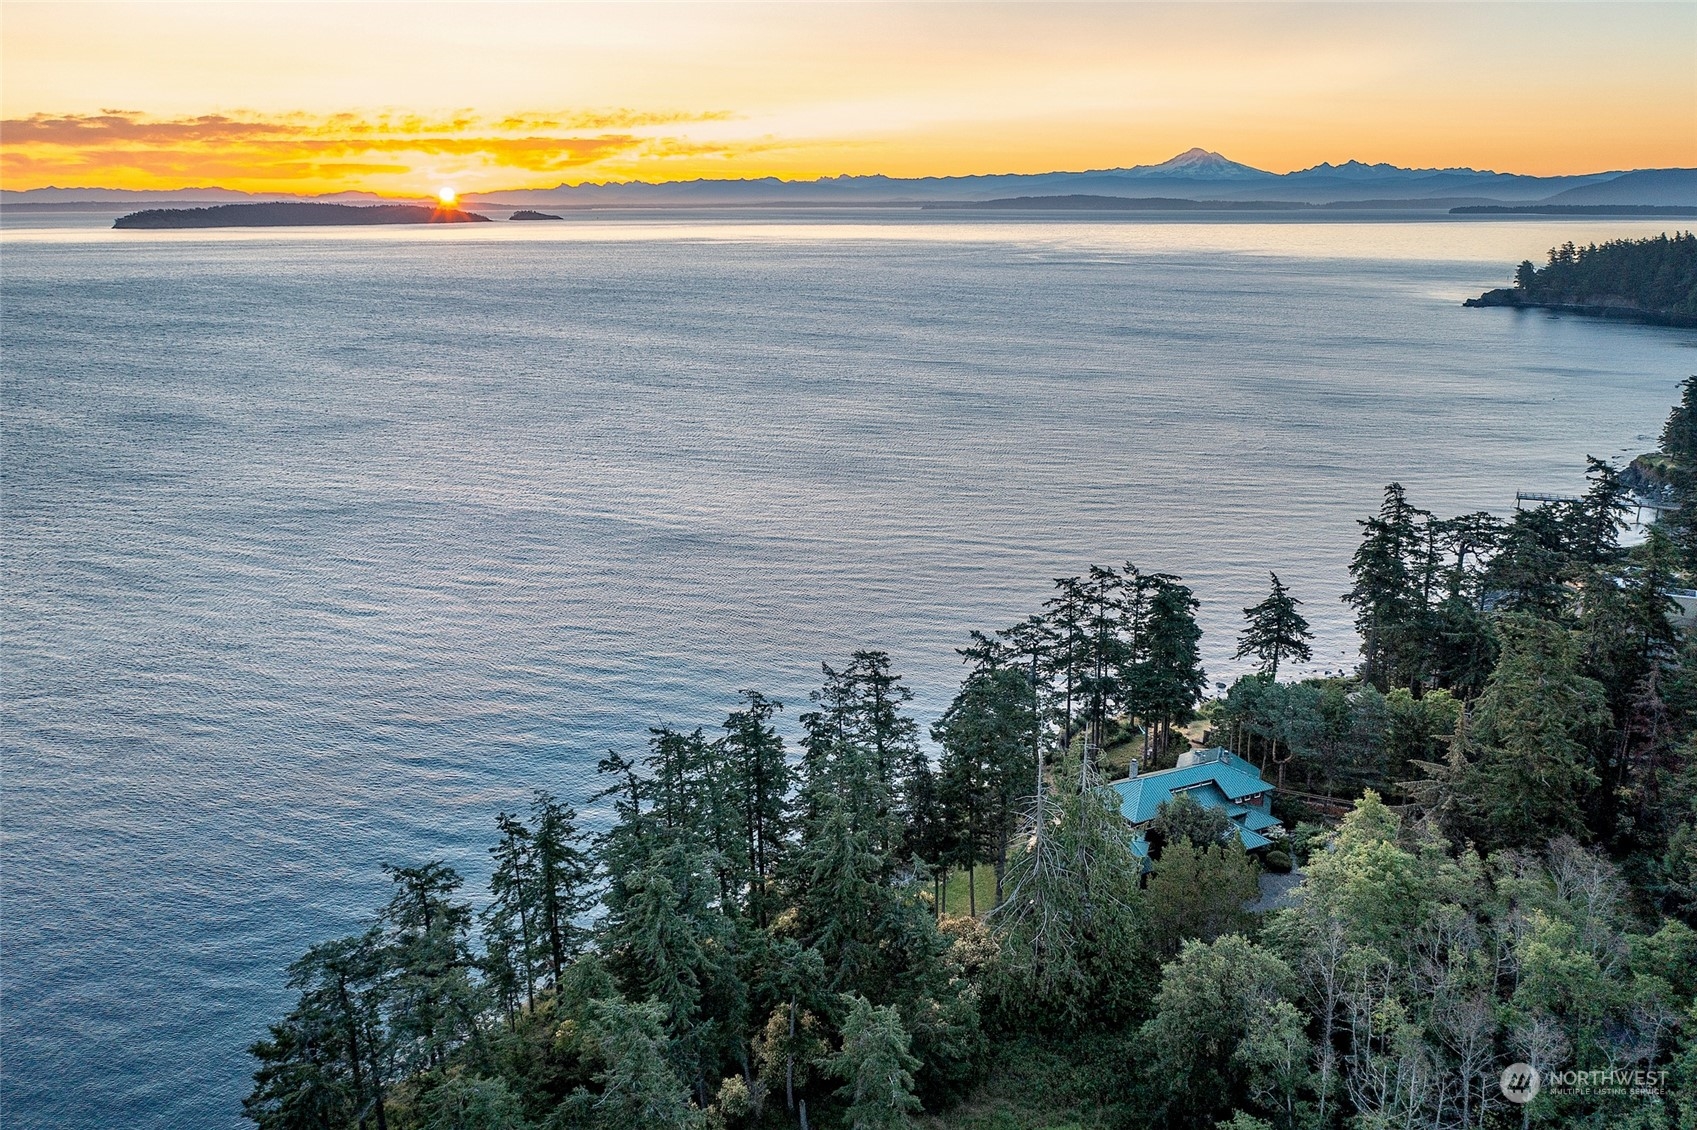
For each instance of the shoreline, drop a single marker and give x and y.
(1510, 299)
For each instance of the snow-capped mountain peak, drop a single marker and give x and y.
(1199, 164)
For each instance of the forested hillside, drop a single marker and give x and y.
(1495, 821)
(1654, 278)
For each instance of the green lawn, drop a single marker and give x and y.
(983, 877)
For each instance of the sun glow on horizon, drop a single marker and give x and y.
(164, 97)
(448, 197)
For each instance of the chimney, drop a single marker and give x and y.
(1131, 770)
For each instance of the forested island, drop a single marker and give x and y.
(1651, 280)
(527, 214)
(1493, 824)
(1625, 211)
(284, 214)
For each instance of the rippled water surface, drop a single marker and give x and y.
(320, 547)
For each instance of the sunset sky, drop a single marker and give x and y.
(403, 99)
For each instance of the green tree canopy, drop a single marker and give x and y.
(1275, 630)
(876, 1068)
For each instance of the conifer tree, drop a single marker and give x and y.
(1106, 653)
(624, 848)
(1461, 647)
(638, 1086)
(792, 981)
(987, 734)
(1531, 569)
(300, 1083)
(511, 924)
(876, 1067)
(1679, 444)
(668, 943)
(841, 895)
(459, 1102)
(563, 873)
(1388, 589)
(861, 746)
(1532, 731)
(1275, 631)
(1071, 932)
(1065, 651)
(892, 739)
(1171, 677)
(430, 997)
(679, 765)
(755, 762)
(1597, 518)
(329, 1062)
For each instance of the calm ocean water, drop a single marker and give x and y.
(321, 547)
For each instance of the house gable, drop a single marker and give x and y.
(1216, 779)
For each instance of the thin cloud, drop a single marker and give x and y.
(126, 145)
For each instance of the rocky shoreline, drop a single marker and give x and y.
(1598, 306)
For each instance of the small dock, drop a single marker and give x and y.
(1640, 505)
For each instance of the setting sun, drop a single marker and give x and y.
(448, 197)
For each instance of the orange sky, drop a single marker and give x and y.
(406, 98)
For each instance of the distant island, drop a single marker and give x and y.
(292, 215)
(1650, 211)
(527, 214)
(1648, 280)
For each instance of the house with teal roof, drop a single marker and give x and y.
(1214, 778)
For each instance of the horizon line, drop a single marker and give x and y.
(775, 178)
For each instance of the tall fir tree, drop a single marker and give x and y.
(755, 761)
(432, 999)
(1531, 742)
(1107, 653)
(1531, 570)
(1387, 590)
(1065, 652)
(511, 922)
(876, 1068)
(1171, 678)
(863, 747)
(669, 942)
(563, 873)
(330, 1061)
(1275, 630)
(639, 1087)
(1072, 932)
(1679, 445)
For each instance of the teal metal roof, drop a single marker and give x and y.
(1253, 840)
(1217, 779)
(1257, 821)
(1250, 837)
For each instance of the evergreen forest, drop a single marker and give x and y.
(1492, 845)
(1655, 276)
